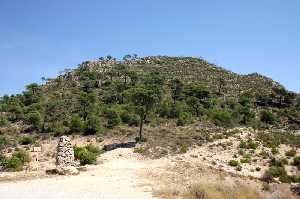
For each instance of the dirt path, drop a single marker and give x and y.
(117, 178)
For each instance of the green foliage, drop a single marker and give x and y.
(246, 159)
(113, 118)
(93, 124)
(176, 88)
(58, 129)
(16, 161)
(14, 164)
(184, 118)
(77, 124)
(249, 144)
(93, 149)
(22, 155)
(144, 99)
(297, 161)
(275, 138)
(26, 140)
(84, 155)
(233, 163)
(196, 105)
(183, 148)
(277, 171)
(3, 121)
(129, 118)
(290, 153)
(4, 142)
(34, 118)
(268, 117)
(221, 117)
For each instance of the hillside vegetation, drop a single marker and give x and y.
(168, 103)
(104, 93)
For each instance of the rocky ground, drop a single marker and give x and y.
(125, 173)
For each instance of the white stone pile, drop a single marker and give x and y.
(65, 164)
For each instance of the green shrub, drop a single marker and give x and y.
(113, 119)
(184, 118)
(246, 159)
(277, 163)
(93, 149)
(130, 119)
(3, 121)
(34, 118)
(274, 150)
(285, 179)
(26, 140)
(85, 156)
(233, 163)
(297, 161)
(268, 117)
(14, 164)
(77, 124)
(277, 171)
(183, 148)
(4, 142)
(249, 144)
(221, 117)
(290, 153)
(139, 150)
(22, 155)
(295, 179)
(92, 125)
(58, 129)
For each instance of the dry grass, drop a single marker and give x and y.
(220, 190)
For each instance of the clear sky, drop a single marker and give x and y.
(42, 37)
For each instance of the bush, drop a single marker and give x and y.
(34, 118)
(221, 117)
(277, 171)
(113, 119)
(87, 154)
(3, 121)
(130, 119)
(22, 155)
(274, 150)
(93, 149)
(233, 163)
(268, 117)
(4, 142)
(297, 161)
(77, 124)
(58, 129)
(246, 159)
(184, 118)
(92, 125)
(14, 164)
(26, 140)
(183, 148)
(290, 153)
(249, 144)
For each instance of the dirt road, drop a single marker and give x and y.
(116, 178)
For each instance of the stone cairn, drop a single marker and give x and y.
(65, 164)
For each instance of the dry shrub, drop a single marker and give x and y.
(221, 191)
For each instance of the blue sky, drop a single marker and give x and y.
(40, 38)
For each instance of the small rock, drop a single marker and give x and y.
(68, 170)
